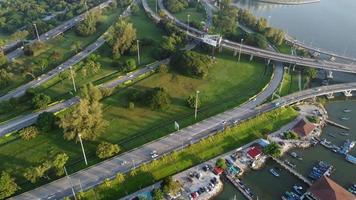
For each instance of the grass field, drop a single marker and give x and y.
(290, 82)
(228, 85)
(194, 154)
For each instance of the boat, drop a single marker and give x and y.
(298, 189)
(347, 110)
(274, 172)
(346, 147)
(350, 158)
(344, 133)
(345, 118)
(295, 155)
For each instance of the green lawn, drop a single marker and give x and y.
(284, 48)
(61, 44)
(195, 16)
(228, 85)
(194, 154)
(290, 82)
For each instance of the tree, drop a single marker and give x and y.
(56, 55)
(29, 133)
(162, 68)
(32, 174)
(160, 99)
(40, 101)
(170, 186)
(261, 25)
(273, 149)
(5, 78)
(86, 118)
(221, 163)
(8, 185)
(191, 101)
(76, 46)
(106, 150)
(175, 6)
(129, 65)
(43, 62)
(58, 163)
(191, 63)
(33, 48)
(120, 37)
(157, 194)
(120, 178)
(19, 35)
(226, 19)
(46, 121)
(3, 58)
(88, 25)
(312, 73)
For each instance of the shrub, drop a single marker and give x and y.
(46, 121)
(105, 150)
(29, 133)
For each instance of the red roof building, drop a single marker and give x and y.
(254, 152)
(218, 170)
(327, 189)
(303, 128)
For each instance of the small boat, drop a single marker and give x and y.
(345, 118)
(351, 159)
(298, 189)
(347, 110)
(344, 133)
(274, 172)
(295, 155)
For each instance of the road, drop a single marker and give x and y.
(267, 54)
(27, 120)
(55, 31)
(62, 67)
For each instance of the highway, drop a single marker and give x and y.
(62, 67)
(55, 31)
(267, 54)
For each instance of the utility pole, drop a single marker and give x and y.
(73, 81)
(138, 52)
(156, 6)
(196, 104)
(70, 182)
(38, 37)
(240, 50)
(81, 144)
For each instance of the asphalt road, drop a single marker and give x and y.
(62, 67)
(56, 31)
(27, 120)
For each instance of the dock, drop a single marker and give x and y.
(293, 171)
(237, 184)
(337, 124)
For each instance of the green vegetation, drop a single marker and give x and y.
(89, 24)
(225, 21)
(194, 154)
(106, 150)
(273, 150)
(29, 133)
(8, 185)
(290, 135)
(221, 163)
(290, 82)
(175, 6)
(313, 119)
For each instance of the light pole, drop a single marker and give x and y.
(240, 50)
(196, 104)
(138, 52)
(73, 81)
(70, 182)
(156, 6)
(81, 144)
(188, 16)
(38, 37)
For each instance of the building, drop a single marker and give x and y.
(327, 189)
(303, 128)
(254, 152)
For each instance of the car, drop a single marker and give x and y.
(154, 152)
(223, 122)
(236, 121)
(197, 175)
(154, 156)
(131, 76)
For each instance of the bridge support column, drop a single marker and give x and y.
(268, 61)
(235, 52)
(251, 57)
(293, 67)
(330, 96)
(347, 93)
(329, 74)
(220, 49)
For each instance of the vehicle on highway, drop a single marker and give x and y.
(154, 154)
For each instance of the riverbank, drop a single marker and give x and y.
(290, 2)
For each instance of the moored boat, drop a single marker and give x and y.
(345, 118)
(350, 158)
(274, 172)
(347, 110)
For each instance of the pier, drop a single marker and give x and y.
(337, 124)
(294, 172)
(238, 185)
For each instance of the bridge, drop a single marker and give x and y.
(254, 51)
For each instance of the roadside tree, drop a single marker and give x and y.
(106, 150)
(8, 185)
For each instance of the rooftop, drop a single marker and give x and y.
(327, 189)
(303, 128)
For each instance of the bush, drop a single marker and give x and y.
(156, 98)
(273, 149)
(221, 163)
(290, 136)
(40, 101)
(163, 68)
(176, 5)
(129, 66)
(105, 150)
(313, 119)
(29, 133)
(46, 121)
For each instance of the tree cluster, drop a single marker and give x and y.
(33, 48)
(273, 149)
(156, 98)
(121, 36)
(290, 135)
(8, 185)
(32, 174)
(226, 19)
(175, 6)
(171, 187)
(191, 63)
(88, 25)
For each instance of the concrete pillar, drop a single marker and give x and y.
(251, 57)
(235, 52)
(348, 93)
(330, 96)
(268, 61)
(330, 74)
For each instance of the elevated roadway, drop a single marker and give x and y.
(267, 54)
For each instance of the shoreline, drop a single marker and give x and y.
(281, 2)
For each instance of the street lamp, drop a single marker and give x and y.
(188, 16)
(38, 37)
(81, 144)
(240, 49)
(73, 81)
(156, 6)
(196, 104)
(70, 182)
(138, 52)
